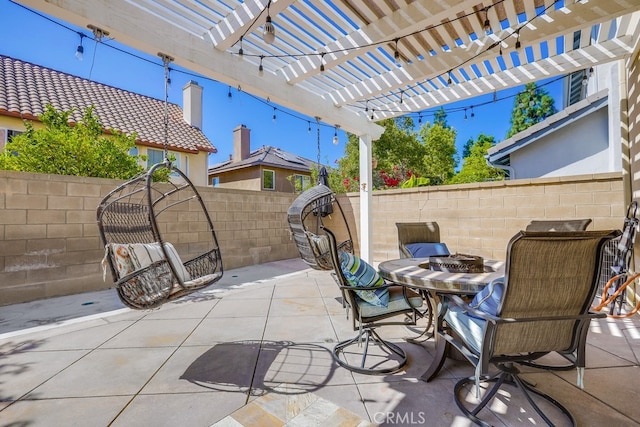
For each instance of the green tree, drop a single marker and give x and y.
(531, 106)
(475, 167)
(440, 118)
(397, 155)
(80, 149)
(440, 158)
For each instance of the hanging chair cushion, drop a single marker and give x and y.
(135, 256)
(359, 273)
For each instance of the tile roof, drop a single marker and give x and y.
(266, 156)
(26, 89)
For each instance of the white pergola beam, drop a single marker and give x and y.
(132, 26)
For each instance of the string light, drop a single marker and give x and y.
(80, 49)
(401, 96)
(274, 114)
(241, 51)
(372, 113)
(465, 114)
(308, 127)
(487, 23)
(260, 67)
(335, 134)
(449, 79)
(396, 54)
(472, 113)
(269, 33)
(518, 40)
(322, 62)
(229, 94)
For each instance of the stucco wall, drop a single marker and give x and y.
(577, 147)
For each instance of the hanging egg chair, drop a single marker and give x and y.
(137, 222)
(306, 216)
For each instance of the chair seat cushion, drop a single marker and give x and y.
(135, 256)
(424, 250)
(489, 297)
(359, 273)
(396, 303)
(469, 328)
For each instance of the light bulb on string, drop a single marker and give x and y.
(274, 115)
(396, 54)
(322, 62)
(80, 48)
(335, 134)
(420, 119)
(229, 95)
(465, 114)
(472, 113)
(241, 51)
(308, 127)
(449, 79)
(487, 23)
(260, 67)
(518, 45)
(269, 34)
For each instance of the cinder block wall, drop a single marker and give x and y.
(49, 242)
(50, 245)
(480, 218)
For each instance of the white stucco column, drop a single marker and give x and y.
(366, 198)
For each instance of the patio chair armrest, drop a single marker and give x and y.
(455, 300)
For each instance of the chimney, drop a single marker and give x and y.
(241, 143)
(192, 104)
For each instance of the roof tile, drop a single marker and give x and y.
(26, 89)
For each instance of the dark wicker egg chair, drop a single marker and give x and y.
(138, 220)
(306, 216)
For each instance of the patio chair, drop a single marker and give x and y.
(365, 291)
(541, 306)
(559, 225)
(420, 239)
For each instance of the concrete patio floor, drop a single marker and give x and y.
(255, 351)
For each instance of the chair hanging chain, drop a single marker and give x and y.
(318, 133)
(166, 59)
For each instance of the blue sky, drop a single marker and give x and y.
(30, 37)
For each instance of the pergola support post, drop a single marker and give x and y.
(366, 198)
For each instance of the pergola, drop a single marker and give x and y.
(354, 62)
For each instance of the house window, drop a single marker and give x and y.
(6, 135)
(215, 181)
(268, 180)
(301, 182)
(154, 156)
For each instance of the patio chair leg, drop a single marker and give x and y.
(370, 338)
(428, 315)
(508, 373)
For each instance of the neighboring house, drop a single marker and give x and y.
(265, 169)
(26, 89)
(581, 139)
